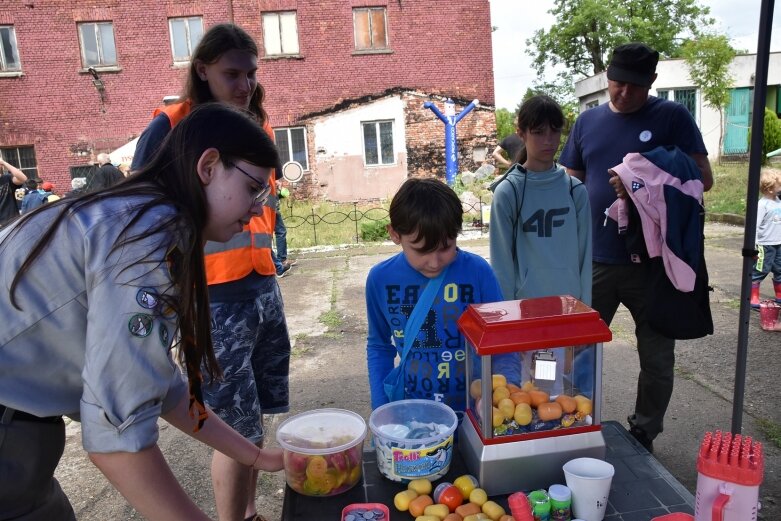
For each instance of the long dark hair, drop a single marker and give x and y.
(170, 180)
(218, 40)
(538, 111)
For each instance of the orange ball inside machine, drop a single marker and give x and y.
(534, 384)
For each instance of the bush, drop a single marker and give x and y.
(772, 138)
(375, 231)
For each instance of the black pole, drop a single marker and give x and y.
(752, 192)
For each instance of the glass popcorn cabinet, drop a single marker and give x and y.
(534, 379)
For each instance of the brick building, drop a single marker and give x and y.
(345, 81)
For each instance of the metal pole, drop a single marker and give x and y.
(752, 191)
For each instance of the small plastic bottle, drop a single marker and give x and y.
(540, 502)
(561, 503)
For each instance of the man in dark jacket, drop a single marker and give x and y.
(105, 176)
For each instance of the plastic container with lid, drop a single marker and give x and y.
(561, 502)
(413, 438)
(323, 451)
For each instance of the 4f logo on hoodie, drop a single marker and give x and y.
(544, 222)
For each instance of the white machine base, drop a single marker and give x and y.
(505, 468)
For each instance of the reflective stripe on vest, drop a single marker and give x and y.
(249, 250)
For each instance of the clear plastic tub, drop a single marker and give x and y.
(323, 451)
(413, 439)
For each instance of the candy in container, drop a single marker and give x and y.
(323, 451)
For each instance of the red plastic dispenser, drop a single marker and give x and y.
(534, 382)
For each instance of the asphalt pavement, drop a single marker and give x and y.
(324, 300)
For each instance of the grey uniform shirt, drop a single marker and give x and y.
(92, 340)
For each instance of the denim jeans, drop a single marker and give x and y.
(280, 233)
(627, 284)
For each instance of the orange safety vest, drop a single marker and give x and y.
(251, 248)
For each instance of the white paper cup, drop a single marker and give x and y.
(589, 480)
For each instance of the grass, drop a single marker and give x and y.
(728, 194)
(327, 223)
(771, 430)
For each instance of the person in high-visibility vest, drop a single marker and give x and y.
(249, 330)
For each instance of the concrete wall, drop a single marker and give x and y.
(342, 174)
(335, 140)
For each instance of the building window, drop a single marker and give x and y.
(9, 52)
(185, 35)
(291, 143)
(280, 33)
(686, 97)
(97, 44)
(370, 28)
(378, 142)
(591, 104)
(22, 158)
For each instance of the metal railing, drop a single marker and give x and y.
(361, 215)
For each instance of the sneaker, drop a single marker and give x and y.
(284, 272)
(289, 263)
(642, 438)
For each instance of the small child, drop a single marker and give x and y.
(425, 218)
(541, 222)
(768, 235)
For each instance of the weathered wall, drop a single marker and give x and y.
(54, 106)
(335, 141)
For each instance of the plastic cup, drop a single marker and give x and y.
(589, 481)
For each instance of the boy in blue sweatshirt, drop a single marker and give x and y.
(425, 219)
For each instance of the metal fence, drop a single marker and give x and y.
(473, 218)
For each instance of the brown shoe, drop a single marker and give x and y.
(289, 262)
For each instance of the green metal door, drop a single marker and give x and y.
(737, 124)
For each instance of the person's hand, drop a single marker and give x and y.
(269, 460)
(617, 185)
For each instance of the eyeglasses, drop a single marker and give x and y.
(262, 196)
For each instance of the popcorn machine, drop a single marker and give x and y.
(534, 381)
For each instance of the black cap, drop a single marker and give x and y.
(633, 63)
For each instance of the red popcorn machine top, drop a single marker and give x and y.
(534, 383)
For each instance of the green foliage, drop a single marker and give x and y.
(708, 59)
(375, 231)
(772, 138)
(504, 123)
(586, 31)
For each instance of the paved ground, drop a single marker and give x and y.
(326, 314)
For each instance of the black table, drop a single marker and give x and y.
(641, 488)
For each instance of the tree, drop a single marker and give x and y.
(708, 59)
(586, 31)
(771, 138)
(504, 123)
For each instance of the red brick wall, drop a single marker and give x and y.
(55, 107)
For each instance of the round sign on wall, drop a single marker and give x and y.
(292, 171)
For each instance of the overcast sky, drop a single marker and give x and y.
(516, 20)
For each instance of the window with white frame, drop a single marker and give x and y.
(22, 158)
(378, 142)
(371, 29)
(291, 143)
(9, 52)
(97, 44)
(186, 32)
(280, 33)
(591, 104)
